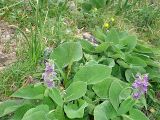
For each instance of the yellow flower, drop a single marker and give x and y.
(94, 9)
(106, 25)
(112, 19)
(152, 110)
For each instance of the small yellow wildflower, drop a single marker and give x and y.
(112, 19)
(106, 25)
(152, 110)
(95, 9)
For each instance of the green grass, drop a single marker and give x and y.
(13, 77)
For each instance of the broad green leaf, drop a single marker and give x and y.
(115, 52)
(153, 63)
(143, 56)
(87, 6)
(52, 115)
(91, 62)
(109, 62)
(129, 42)
(149, 60)
(19, 113)
(118, 56)
(93, 74)
(48, 101)
(125, 93)
(125, 106)
(67, 53)
(90, 108)
(113, 36)
(99, 34)
(10, 106)
(102, 47)
(38, 113)
(102, 88)
(117, 118)
(126, 117)
(56, 96)
(97, 3)
(74, 110)
(116, 71)
(104, 111)
(135, 61)
(142, 100)
(57, 114)
(114, 93)
(143, 49)
(30, 92)
(123, 34)
(89, 57)
(123, 64)
(125, 85)
(87, 46)
(115, 49)
(136, 114)
(153, 72)
(91, 94)
(75, 90)
(130, 73)
(152, 95)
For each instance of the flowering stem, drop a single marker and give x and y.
(61, 72)
(69, 69)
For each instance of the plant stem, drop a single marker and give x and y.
(11, 5)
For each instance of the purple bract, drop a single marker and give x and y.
(140, 85)
(49, 75)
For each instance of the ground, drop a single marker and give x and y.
(7, 45)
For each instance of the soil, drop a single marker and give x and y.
(7, 45)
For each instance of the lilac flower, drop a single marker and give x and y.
(49, 75)
(49, 70)
(140, 85)
(136, 95)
